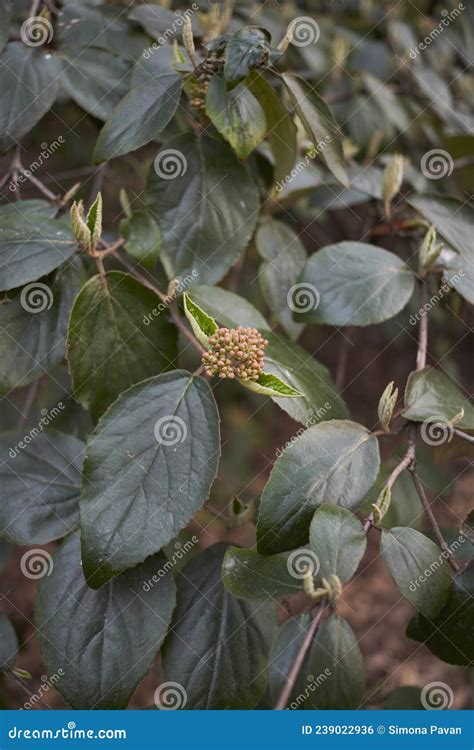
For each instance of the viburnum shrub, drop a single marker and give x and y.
(179, 206)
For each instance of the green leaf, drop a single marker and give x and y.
(432, 395)
(418, 568)
(271, 385)
(18, 209)
(245, 50)
(335, 655)
(281, 129)
(30, 247)
(248, 575)
(319, 123)
(34, 324)
(114, 341)
(40, 474)
(29, 81)
(284, 259)
(237, 115)
(216, 648)
(202, 324)
(104, 642)
(149, 467)
(450, 635)
(206, 204)
(8, 644)
(139, 117)
(289, 362)
(282, 656)
(95, 79)
(352, 283)
(334, 462)
(337, 537)
(142, 238)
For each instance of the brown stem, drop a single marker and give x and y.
(463, 435)
(300, 657)
(174, 314)
(434, 524)
(405, 463)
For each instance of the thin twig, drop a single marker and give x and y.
(434, 524)
(463, 435)
(300, 657)
(174, 314)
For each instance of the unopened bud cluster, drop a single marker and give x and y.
(235, 353)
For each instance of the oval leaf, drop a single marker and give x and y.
(450, 635)
(101, 643)
(206, 204)
(431, 395)
(149, 467)
(334, 462)
(114, 341)
(335, 655)
(237, 115)
(139, 117)
(355, 284)
(418, 567)
(337, 537)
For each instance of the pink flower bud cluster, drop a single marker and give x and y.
(235, 353)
